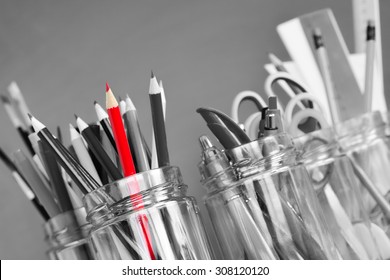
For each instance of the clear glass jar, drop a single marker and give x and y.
(270, 211)
(364, 140)
(338, 191)
(67, 236)
(146, 216)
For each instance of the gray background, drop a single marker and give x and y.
(62, 52)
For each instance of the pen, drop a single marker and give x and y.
(227, 131)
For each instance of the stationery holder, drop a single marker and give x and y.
(269, 209)
(364, 140)
(338, 190)
(150, 205)
(67, 236)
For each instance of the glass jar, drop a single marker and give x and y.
(146, 216)
(67, 236)
(338, 191)
(364, 140)
(269, 209)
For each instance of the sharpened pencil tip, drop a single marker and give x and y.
(95, 102)
(107, 87)
(29, 115)
(151, 74)
(76, 117)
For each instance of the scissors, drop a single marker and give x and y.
(251, 124)
(307, 115)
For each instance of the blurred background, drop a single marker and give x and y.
(61, 53)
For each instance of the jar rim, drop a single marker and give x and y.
(72, 219)
(364, 123)
(254, 149)
(133, 190)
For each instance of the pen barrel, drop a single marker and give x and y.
(156, 199)
(67, 236)
(363, 139)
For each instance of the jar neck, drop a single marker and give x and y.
(67, 227)
(360, 130)
(134, 193)
(266, 154)
(317, 145)
(285, 158)
(221, 180)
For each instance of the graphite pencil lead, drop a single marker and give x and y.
(94, 102)
(152, 74)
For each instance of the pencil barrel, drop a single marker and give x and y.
(150, 205)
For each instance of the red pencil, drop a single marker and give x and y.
(126, 160)
(118, 130)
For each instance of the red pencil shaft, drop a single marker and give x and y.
(122, 144)
(128, 167)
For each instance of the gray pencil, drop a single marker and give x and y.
(135, 137)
